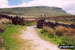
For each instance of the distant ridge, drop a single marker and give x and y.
(34, 11)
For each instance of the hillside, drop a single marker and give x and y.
(34, 11)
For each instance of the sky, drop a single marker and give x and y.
(67, 5)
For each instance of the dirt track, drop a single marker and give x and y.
(30, 34)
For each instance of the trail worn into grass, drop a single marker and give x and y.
(30, 34)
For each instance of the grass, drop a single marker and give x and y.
(51, 38)
(63, 31)
(30, 23)
(3, 23)
(58, 40)
(11, 37)
(33, 11)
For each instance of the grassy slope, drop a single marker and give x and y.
(11, 37)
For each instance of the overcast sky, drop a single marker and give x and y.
(68, 5)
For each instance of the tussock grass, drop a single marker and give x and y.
(50, 30)
(3, 23)
(1, 42)
(71, 32)
(61, 30)
(2, 27)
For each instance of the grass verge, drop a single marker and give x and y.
(11, 36)
(58, 40)
(51, 38)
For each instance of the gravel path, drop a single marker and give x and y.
(31, 34)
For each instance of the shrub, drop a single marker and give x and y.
(5, 21)
(61, 30)
(1, 42)
(48, 29)
(71, 32)
(2, 27)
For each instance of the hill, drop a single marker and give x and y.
(34, 11)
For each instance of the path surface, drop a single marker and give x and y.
(32, 35)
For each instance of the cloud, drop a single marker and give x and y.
(3, 3)
(70, 8)
(57, 3)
